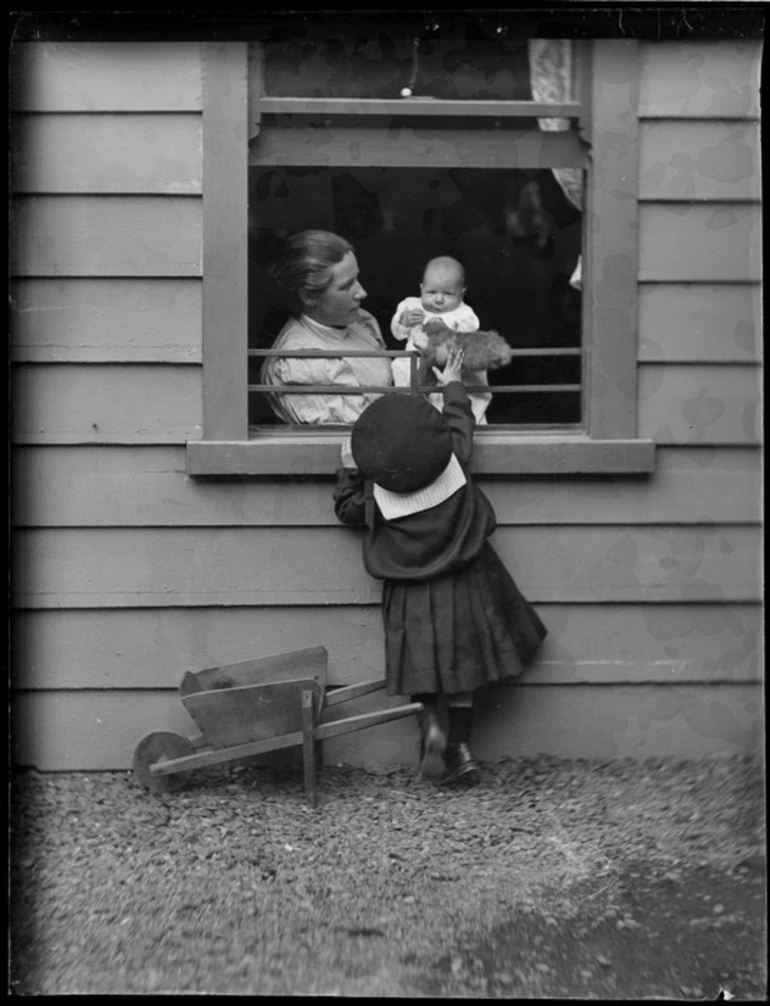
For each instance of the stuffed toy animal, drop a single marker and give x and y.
(483, 350)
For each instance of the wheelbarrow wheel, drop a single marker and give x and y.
(159, 746)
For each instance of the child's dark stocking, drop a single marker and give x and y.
(460, 718)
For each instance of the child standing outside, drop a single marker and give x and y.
(441, 298)
(454, 619)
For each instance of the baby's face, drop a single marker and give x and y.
(441, 290)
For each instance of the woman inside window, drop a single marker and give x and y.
(319, 272)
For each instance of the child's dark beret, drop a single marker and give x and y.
(401, 442)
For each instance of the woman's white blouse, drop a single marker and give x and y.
(304, 333)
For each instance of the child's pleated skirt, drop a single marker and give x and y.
(459, 631)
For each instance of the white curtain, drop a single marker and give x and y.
(552, 72)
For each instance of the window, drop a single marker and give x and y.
(407, 186)
(467, 165)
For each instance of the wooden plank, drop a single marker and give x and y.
(87, 486)
(231, 716)
(98, 731)
(108, 153)
(338, 145)
(700, 323)
(587, 643)
(106, 403)
(699, 404)
(700, 79)
(106, 320)
(657, 721)
(106, 77)
(151, 567)
(590, 720)
(307, 662)
(699, 159)
(610, 309)
(225, 241)
(495, 452)
(108, 724)
(649, 643)
(114, 648)
(687, 486)
(682, 242)
(106, 236)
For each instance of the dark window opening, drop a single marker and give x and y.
(514, 231)
(447, 57)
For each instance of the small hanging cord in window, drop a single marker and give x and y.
(408, 91)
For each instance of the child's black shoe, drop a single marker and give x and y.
(461, 766)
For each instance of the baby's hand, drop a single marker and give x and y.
(412, 317)
(452, 368)
(420, 340)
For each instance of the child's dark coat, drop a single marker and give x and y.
(454, 619)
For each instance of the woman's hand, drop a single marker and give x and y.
(452, 368)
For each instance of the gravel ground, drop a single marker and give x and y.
(551, 878)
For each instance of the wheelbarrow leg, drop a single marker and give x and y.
(308, 745)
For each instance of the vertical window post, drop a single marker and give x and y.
(611, 222)
(225, 241)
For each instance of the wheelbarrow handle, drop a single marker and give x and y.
(353, 723)
(220, 757)
(347, 692)
(323, 732)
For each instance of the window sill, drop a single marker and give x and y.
(494, 453)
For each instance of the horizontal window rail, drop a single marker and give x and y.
(420, 106)
(414, 387)
(390, 389)
(333, 354)
(336, 141)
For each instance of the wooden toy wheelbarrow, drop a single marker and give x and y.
(254, 707)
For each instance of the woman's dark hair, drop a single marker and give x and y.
(303, 269)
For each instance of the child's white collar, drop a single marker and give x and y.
(393, 505)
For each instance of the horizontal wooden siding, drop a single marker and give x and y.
(128, 572)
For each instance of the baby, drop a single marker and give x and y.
(441, 298)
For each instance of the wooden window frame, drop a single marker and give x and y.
(607, 443)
